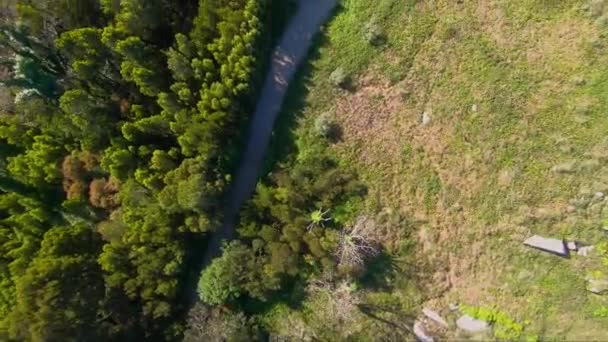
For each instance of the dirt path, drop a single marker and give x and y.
(286, 57)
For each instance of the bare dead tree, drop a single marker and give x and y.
(358, 243)
(215, 325)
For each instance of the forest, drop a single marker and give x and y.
(120, 126)
(418, 148)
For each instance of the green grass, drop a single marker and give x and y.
(516, 62)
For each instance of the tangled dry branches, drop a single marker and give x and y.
(358, 243)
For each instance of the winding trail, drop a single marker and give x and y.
(286, 57)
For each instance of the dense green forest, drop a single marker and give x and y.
(119, 127)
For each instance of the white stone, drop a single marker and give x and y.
(474, 107)
(426, 119)
(554, 246)
(572, 245)
(420, 333)
(453, 307)
(470, 324)
(434, 316)
(584, 251)
(599, 195)
(597, 286)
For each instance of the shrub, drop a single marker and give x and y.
(325, 126)
(219, 282)
(373, 33)
(339, 78)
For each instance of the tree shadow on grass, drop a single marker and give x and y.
(380, 272)
(395, 319)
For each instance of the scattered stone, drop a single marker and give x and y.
(584, 251)
(550, 245)
(590, 165)
(567, 167)
(472, 325)
(572, 245)
(474, 108)
(426, 119)
(579, 80)
(597, 286)
(420, 333)
(434, 316)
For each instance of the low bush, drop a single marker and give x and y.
(340, 78)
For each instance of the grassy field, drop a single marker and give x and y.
(514, 90)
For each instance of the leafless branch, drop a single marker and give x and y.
(358, 243)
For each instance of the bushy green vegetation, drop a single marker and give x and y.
(115, 151)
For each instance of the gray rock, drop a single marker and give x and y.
(554, 246)
(597, 286)
(599, 196)
(584, 251)
(472, 325)
(426, 119)
(421, 334)
(567, 167)
(434, 316)
(572, 245)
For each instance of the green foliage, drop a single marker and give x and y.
(155, 90)
(284, 223)
(239, 270)
(58, 295)
(39, 164)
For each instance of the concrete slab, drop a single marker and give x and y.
(550, 245)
